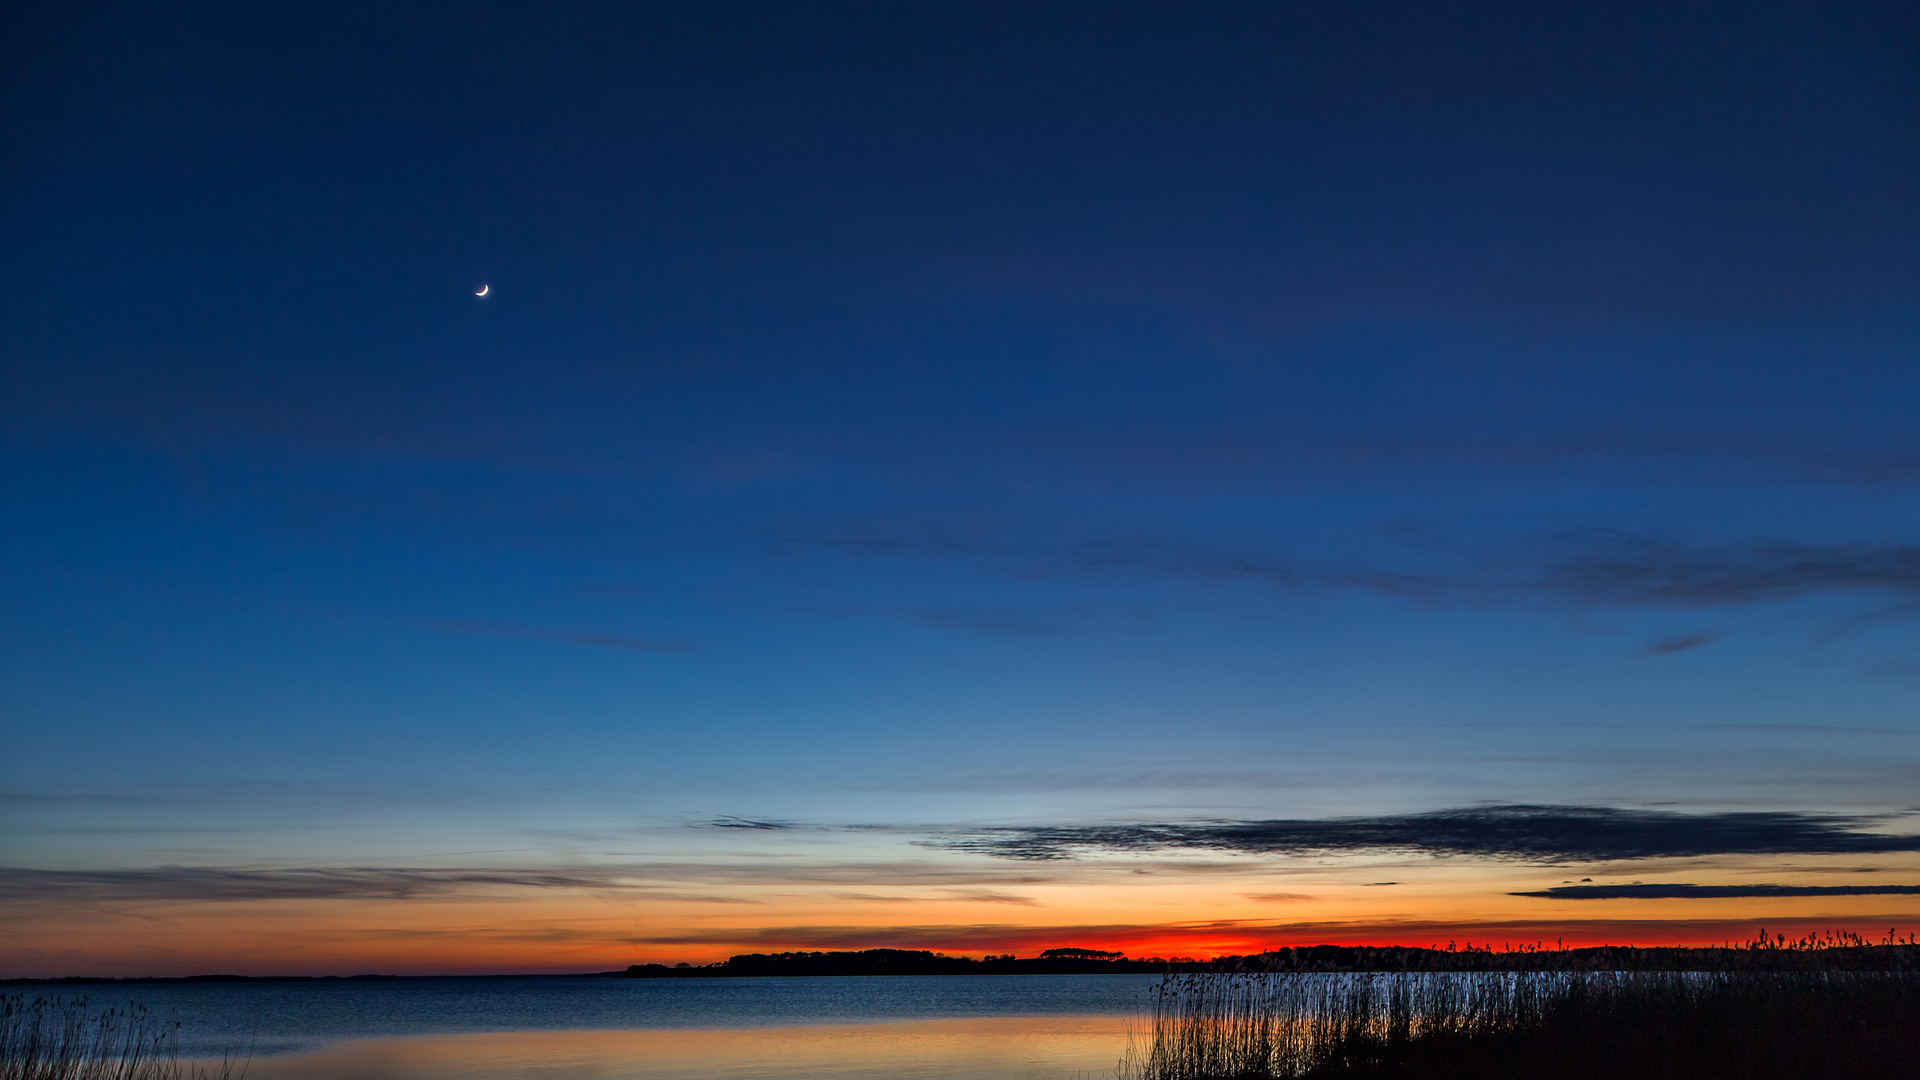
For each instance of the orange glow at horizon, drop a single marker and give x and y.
(1162, 907)
(295, 945)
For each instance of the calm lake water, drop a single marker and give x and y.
(987, 1027)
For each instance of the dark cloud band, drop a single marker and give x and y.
(1547, 834)
(223, 883)
(1634, 571)
(1713, 892)
(1586, 567)
(703, 882)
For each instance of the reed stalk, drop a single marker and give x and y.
(1491, 1025)
(62, 1038)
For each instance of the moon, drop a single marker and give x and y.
(483, 290)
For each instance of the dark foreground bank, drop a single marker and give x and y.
(1748, 1025)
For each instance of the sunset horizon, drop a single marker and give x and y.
(783, 887)
(654, 492)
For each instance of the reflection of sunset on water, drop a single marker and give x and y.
(972, 1049)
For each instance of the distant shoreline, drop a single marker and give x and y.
(1763, 954)
(116, 980)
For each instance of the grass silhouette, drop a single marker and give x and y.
(1488, 1025)
(62, 1038)
(1804, 1010)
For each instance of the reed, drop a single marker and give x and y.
(62, 1038)
(1523, 1025)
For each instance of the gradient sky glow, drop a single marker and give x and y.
(905, 450)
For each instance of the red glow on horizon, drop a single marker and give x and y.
(1213, 941)
(266, 955)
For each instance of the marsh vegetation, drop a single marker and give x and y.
(1489, 1025)
(64, 1038)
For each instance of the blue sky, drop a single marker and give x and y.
(906, 421)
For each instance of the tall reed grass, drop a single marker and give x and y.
(62, 1038)
(1522, 1025)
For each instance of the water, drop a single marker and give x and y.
(956, 1027)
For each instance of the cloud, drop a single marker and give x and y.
(1002, 620)
(1628, 570)
(1240, 936)
(990, 896)
(73, 798)
(977, 896)
(678, 881)
(1712, 892)
(216, 884)
(992, 937)
(220, 883)
(1678, 644)
(987, 621)
(571, 637)
(595, 638)
(1086, 779)
(746, 823)
(1596, 567)
(1545, 834)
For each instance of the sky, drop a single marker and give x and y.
(1177, 478)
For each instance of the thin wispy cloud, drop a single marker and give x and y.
(1596, 567)
(1629, 570)
(597, 638)
(944, 936)
(1668, 646)
(221, 883)
(570, 637)
(73, 798)
(1220, 936)
(987, 621)
(1712, 892)
(1547, 834)
(1001, 620)
(749, 824)
(642, 881)
(990, 896)
(1081, 778)
(975, 896)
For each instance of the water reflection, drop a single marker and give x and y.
(281, 1018)
(993, 1048)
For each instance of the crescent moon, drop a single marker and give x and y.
(483, 290)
